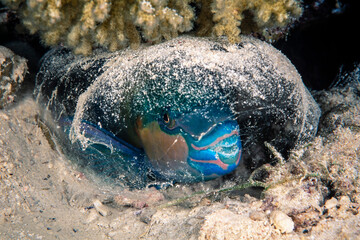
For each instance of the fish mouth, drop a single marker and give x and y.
(219, 151)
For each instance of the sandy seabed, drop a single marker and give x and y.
(314, 195)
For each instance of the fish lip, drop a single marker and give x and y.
(218, 141)
(210, 125)
(223, 151)
(224, 166)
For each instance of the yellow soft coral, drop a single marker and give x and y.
(264, 14)
(157, 20)
(227, 18)
(114, 24)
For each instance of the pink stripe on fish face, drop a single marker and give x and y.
(219, 139)
(218, 162)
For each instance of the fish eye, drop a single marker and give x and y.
(169, 122)
(166, 118)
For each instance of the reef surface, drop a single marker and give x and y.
(313, 194)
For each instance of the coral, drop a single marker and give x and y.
(13, 69)
(259, 16)
(237, 226)
(83, 25)
(329, 164)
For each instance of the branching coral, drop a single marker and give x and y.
(258, 15)
(114, 24)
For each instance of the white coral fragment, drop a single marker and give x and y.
(282, 221)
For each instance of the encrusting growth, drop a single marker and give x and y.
(114, 24)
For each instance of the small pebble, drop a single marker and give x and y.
(146, 215)
(282, 221)
(93, 215)
(257, 215)
(101, 208)
(331, 203)
(138, 212)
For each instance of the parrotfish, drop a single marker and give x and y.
(180, 111)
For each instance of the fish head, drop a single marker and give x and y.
(191, 146)
(185, 122)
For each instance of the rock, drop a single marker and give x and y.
(257, 215)
(344, 201)
(146, 215)
(224, 224)
(345, 206)
(331, 203)
(13, 69)
(282, 221)
(295, 195)
(306, 220)
(101, 208)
